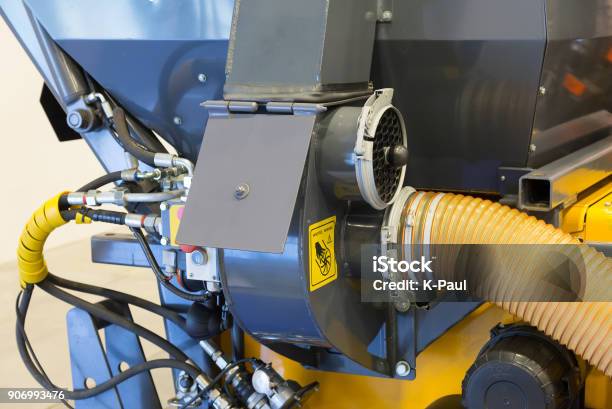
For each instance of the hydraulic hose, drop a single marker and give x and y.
(127, 142)
(77, 394)
(104, 314)
(101, 181)
(447, 219)
(147, 305)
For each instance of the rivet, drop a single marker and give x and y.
(241, 191)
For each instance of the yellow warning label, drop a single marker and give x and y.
(323, 269)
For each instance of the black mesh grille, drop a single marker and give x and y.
(388, 134)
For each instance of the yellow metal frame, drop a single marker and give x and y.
(590, 219)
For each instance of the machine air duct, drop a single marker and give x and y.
(439, 219)
(363, 152)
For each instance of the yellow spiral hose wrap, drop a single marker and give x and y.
(584, 327)
(30, 259)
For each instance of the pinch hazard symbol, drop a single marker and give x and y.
(322, 254)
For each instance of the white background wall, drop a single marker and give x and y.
(35, 165)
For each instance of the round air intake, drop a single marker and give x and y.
(363, 152)
(381, 152)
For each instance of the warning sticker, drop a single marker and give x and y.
(322, 255)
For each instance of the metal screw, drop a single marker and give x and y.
(202, 77)
(164, 241)
(241, 191)
(402, 369)
(163, 206)
(387, 15)
(502, 178)
(178, 120)
(542, 90)
(532, 148)
(608, 204)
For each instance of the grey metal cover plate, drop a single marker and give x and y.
(266, 152)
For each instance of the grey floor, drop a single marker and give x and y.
(46, 318)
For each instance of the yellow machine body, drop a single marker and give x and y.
(590, 219)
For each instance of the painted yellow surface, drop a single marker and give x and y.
(176, 212)
(590, 219)
(599, 221)
(440, 370)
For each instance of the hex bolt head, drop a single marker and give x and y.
(532, 147)
(241, 191)
(542, 91)
(202, 78)
(177, 120)
(79, 119)
(402, 369)
(164, 241)
(387, 15)
(163, 206)
(199, 257)
(502, 178)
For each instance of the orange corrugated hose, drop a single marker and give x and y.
(583, 327)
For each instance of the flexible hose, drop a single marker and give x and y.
(77, 394)
(127, 142)
(171, 315)
(447, 219)
(101, 181)
(163, 280)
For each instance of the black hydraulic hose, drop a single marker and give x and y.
(146, 137)
(22, 339)
(99, 311)
(159, 274)
(101, 181)
(237, 341)
(127, 142)
(170, 315)
(103, 387)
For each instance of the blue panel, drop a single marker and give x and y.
(150, 55)
(135, 20)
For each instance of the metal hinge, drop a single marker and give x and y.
(225, 108)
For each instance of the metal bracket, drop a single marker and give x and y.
(90, 360)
